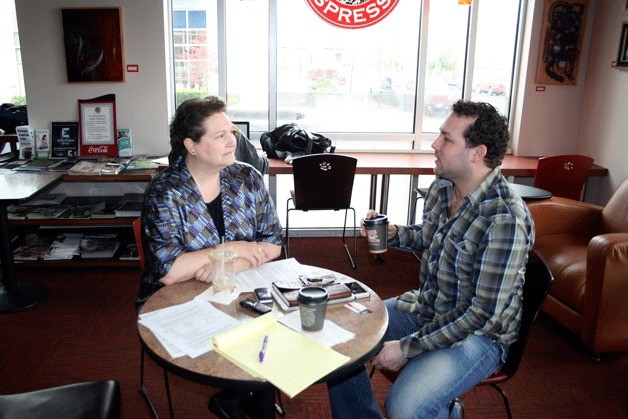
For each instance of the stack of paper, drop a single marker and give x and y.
(65, 246)
(187, 329)
(292, 361)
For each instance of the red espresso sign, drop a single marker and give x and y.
(352, 14)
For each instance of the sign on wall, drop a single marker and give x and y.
(352, 14)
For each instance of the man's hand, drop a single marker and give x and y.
(391, 229)
(390, 357)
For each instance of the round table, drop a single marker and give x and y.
(212, 369)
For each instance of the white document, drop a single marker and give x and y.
(330, 335)
(265, 275)
(187, 329)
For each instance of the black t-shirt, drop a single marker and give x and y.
(215, 210)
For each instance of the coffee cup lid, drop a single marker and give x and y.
(312, 295)
(375, 220)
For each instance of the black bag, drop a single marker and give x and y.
(291, 141)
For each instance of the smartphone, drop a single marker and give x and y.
(263, 295)
(255, 306)
(358, 290)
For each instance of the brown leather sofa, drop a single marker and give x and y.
(585, 247)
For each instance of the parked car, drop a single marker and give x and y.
(493, 88)
(439, 97)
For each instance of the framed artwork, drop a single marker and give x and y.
(561, 42)
(93, 44)
(622, 55)
(97, 122)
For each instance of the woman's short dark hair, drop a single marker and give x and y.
(188, 121)
(489, 129)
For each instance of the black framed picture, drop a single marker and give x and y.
(622, 55)
(93, 44)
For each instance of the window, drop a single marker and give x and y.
(11, 73)
(195, 52)
(387, 86)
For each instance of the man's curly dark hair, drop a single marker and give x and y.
(490, 129)
(188, 121)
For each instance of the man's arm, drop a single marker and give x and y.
(494, 299)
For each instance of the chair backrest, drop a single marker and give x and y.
(323, 181)
(563, 175)
(614, 215)
(137, 232)
(538, 279)
(243, 126)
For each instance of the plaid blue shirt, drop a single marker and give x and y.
(473, 266)
(176, 220)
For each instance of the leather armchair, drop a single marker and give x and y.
(585, 247)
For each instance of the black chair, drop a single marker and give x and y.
(421, 193)
(323, 182)
(538, 279)
(88, 400)
(137, 232)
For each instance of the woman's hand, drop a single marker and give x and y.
(255, 253)
(205, 273)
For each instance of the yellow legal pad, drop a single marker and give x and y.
(292, 361)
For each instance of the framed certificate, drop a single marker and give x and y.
(97, 120)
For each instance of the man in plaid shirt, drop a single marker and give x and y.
(455, 330)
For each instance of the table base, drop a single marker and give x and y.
(25, 296)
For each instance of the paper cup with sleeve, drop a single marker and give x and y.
(377, 233)
(313, 307)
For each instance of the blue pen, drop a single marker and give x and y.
(262, 353)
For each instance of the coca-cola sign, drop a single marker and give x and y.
(101, 149)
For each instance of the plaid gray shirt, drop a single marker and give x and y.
(473, 266)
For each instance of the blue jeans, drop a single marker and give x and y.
(428, 382)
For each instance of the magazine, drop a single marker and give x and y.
(87, 167)
(26, 138)
(37, 165)
(130, 252)
(47, 199)
(18, 212)
(34, 247)
(42, 143)
(142, 164)
(48, 211)
(64, 247)
(125, 143)
(99, 246)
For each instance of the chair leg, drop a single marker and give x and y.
(287, 247)
(168, 394)
(355, 240)
(143, 389)
(279, 405)
(505, 398)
